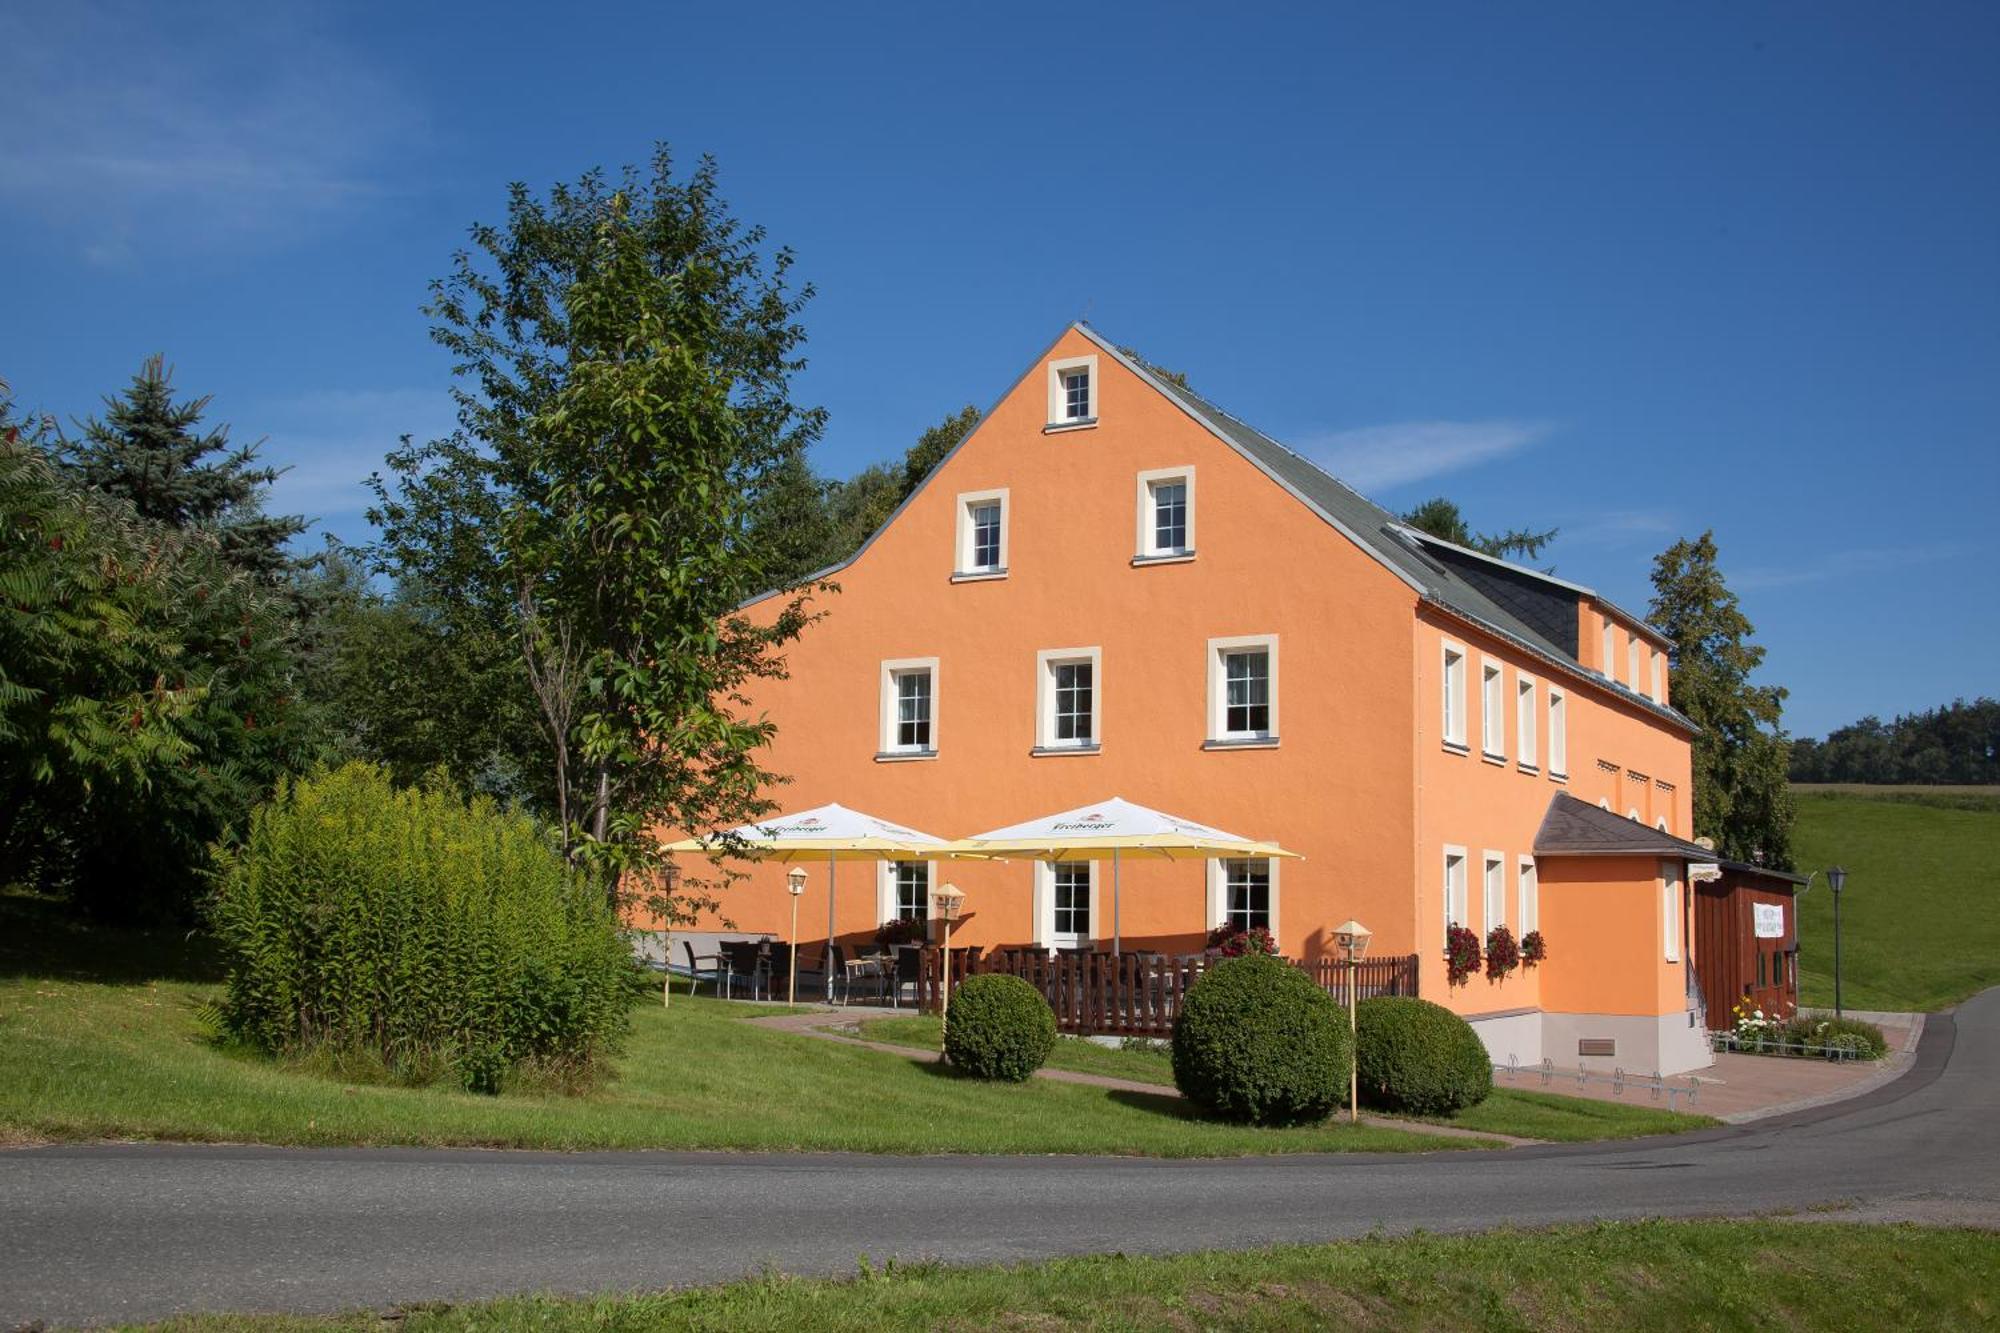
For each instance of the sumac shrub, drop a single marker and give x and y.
(999, 1027)
(1257, 1040)
(445, 939)
(1412, 1055)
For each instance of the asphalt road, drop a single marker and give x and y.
(101, 1233)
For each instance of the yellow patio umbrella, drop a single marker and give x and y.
(1108, 831)
(829, 833)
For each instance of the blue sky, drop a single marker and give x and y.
(1628, 272)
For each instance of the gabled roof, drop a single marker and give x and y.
(1399, 548)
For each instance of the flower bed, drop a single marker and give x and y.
(1806, 1036)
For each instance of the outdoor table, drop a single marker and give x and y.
(874, 965)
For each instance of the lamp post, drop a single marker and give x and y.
(1836, 878)
(946, 901)
(795, 880)
(1353, 938)
(667, 941)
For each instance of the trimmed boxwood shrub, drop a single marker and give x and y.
(1258, 1041)
(412, 931)
(1419, 1057)
(999, 1027)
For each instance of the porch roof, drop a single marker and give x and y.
(1577, 828)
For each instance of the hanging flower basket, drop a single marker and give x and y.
(1533, 948)
(1461, 955)
(1502, 954)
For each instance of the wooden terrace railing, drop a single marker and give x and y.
(1139, 994)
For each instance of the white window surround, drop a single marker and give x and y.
(1492, 710)
(1219, 736)
(1455, 905)
(1659, 677)
(889, 748)
(886, 907)
(1670, 910)
(1632, 662)
(1607, 660)
(1526, 723)
(963, 569)
(1218, 890)
(1046, 662)
(1147, 548)
(1558, 733)
(1493, 891)
(1661, 824)
(1059, 370)
(1453, 671)
(1528, 879)
(1045, 910)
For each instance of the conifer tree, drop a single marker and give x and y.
(153, 453)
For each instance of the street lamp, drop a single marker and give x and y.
(1353, 938)
(795, 880)
(667, 940)
(1836, 878)
(946, 901)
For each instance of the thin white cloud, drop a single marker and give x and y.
(144, 128)
(1376, 458)
(1852, 563)
(1621, 527)
(330, 440)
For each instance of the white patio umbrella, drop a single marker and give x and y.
(829, 833)
(1107, 831)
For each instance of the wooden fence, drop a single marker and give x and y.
(1138, 994)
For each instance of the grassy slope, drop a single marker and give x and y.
(1634, 1277)
(1917, 919)
(102, 1036)
(1534, 1115)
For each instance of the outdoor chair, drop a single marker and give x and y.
(748, 961)
(908, 971)
(715, 973)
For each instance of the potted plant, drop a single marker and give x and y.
(1235, 942)
(1533, 948)
(902, 930)
(1502, 954)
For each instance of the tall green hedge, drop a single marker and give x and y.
(448, 939)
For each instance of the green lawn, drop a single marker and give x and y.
(103, 1035)
(1530, 1115)
(1917, 920)
(1637, 1277)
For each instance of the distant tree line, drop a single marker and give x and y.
(1958, 743)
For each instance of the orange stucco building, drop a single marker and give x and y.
(1113, 588)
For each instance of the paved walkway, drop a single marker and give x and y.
(826, 1024)
(1739, 1088)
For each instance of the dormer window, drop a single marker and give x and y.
(1072, 393)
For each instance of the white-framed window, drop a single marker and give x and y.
(1526, 723)
(909, 707)
(1243, 893)
(1528, 881)
(1454, 696)
(1066, 896)
(982, 535)
(1670, 909)
(1166, 513)
(1068, 698)
(903, 889)
(1455, 905)
(1659, 677)
(1492, 710)
(1607, 658)
(1243, 689)
(1073, 391)
(1632, 652)
(1661, 824)
(1493, 883)
(1558, 733)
